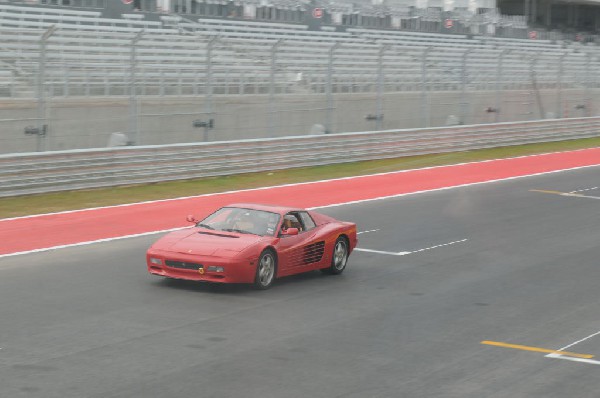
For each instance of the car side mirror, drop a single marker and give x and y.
(191, 219)
(290, 231)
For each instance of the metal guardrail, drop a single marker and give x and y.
(44, 172)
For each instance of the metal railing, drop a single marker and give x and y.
(33, 173)
(285, 88)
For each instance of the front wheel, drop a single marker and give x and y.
(265, 270)
(339, 258)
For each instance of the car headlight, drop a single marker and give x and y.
(214, 268)
(156, 261)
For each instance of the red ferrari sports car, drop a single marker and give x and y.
(250, 243)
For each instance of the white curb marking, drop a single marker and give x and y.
(45, 249)
(360, 249)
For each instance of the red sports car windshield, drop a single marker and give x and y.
(240, 220)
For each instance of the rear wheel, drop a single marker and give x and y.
(339, 257)
(265, 270)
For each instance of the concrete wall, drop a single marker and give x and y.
(88, 123)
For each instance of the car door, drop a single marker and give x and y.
(296, 251)
(314, 246)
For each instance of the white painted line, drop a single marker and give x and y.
(442, 245)
(572, 194)
(584, 190)
(591, 361)
(246, 190)
(578, 195)
(45, 249)
(310, 208)
(326, 181)
(366, 232)
(558, 356)
(450, 187)
(360, 249)
(579, 341)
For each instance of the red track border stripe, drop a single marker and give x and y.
(25, 234)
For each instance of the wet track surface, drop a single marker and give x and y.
(495, 262)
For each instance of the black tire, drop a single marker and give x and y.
(266, 270)
(339, 258)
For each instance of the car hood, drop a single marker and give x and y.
(206, 243)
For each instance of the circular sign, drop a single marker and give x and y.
(448, 23)
(317, 13)
(127, 1)
(533, 35)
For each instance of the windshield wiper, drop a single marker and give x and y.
(204, 226)
(241, 231)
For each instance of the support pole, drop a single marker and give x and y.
(380, 83)
(588, 83)
(559, 84)
(536, 89)
(463, 91)
(41, 90)
(330, 108)
(499, 78)
(133, 104)
(271, 122)
(425, 102)
(208, 92)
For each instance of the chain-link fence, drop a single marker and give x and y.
(71, 88)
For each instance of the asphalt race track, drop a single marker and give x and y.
(466, 292)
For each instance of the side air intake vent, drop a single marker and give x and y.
(314, 253)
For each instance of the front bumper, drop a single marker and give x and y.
(235, 270)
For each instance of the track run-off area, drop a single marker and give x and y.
(473, 280)
(41, 232)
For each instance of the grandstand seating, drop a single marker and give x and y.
(90, 55)
(32, 12)
(34, 17)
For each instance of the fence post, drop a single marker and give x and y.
(208, 88)
(535, 88)
(66, 81)
(499, 72)
(588, 83)
(271, 110)
(463, 91)
(41, 90)
(425, 89)
(329, 115)
(380, 83)
(559, 84)
(133, 105)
